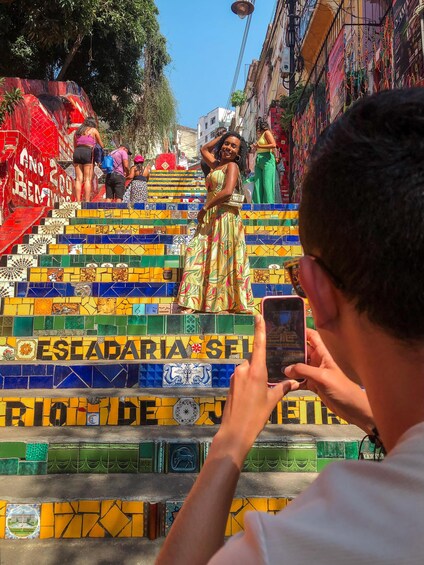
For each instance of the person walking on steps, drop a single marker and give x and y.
(264, 192)
(216, 275)
(85, 139)
(115, 181)
(136, 191)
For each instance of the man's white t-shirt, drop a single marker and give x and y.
(354, 512)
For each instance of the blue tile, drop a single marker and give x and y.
(11, 370)
(41, 382)
(72, 381)
(15, 382)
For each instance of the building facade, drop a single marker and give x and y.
(207, 125)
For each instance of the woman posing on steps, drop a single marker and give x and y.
(85, 139)
(216, 272)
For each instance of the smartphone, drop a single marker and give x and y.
(285, 322)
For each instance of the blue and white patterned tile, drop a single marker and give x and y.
(187, 375)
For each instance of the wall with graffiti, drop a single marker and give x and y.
(36, 143)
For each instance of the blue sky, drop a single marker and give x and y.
(204, 39)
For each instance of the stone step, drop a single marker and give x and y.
(115, 289)
(125, 506)
(43, 247)
(26, 261)
(108, 206)
(153, 407)
(138, 551)
(149, 239)
(71, 452)
(113, 325)
(292, 223)
(90, 305)
(118, 228)
(156, 212)
(122, 274)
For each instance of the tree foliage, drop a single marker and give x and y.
(10, 99)
(99, 44)
(238, 98)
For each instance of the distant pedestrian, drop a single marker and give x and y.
(264, 192)
(115, 181)
(136, 191)
(85, 139)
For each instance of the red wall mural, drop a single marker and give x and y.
(35, 138)
(28, 177)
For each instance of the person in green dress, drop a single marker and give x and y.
(216, 275)
(264, 192)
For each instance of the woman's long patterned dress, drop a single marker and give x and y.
(216, 274)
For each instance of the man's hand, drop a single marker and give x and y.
(324, 377)
(250, 400)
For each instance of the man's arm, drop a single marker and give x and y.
(199, 529)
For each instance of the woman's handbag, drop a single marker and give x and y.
(236, 200)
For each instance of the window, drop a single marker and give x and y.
(206, 125)
(212, 121)
(206, 138)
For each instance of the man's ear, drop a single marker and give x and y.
(320, 292)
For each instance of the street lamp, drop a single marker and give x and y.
(242, 8)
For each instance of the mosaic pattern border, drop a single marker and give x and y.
(137, 410)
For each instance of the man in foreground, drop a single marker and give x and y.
(362, 230)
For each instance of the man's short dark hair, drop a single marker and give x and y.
(362, 208)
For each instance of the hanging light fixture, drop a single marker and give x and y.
(242, 8)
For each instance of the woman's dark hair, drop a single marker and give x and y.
(88, 123)
(261, 124)
(242, 151)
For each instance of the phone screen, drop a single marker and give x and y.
(285, 334)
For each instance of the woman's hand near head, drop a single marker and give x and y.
(324, 377)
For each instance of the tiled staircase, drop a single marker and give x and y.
(111, 398)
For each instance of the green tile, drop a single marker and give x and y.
(93, 458)
(59, 322)
(156, 325)
(36, 451)
(140, 320)
(331, 449)
(13, 449)
(62, 458)
(174, 324)
(104, 330)
(225, 324)
(49, 322)
(322, 463)
(39, 323)
(23, 326)
(123, 458)
(32, 468)
(9, 466)
(351, 450)
(74, 322)
(207, 323)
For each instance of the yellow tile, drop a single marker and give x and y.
(259, 504)
(137, 526)
(126, 532)
(276, 504)
(97, 531)
(132, 507)
(106, 505)
(88, 522)
(89, 506)
(46, 532)
(63, 508)
(74, 529)
(61, 522)
(114, 521)
(47, 514)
